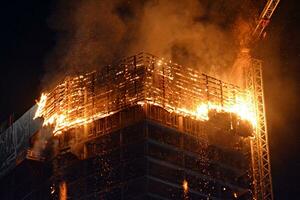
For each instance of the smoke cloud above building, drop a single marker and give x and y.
(200, 34)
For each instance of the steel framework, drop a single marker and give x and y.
(145, 80)
(259, 144)
(142, 78)
(264, 18)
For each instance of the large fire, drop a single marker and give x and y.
(60, 122)
(82, 99)
(243, 108)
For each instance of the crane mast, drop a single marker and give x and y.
(261, 168)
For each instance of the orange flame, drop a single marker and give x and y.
(243, 108)
(79, 100)
(41, 106)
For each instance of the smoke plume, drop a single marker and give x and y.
(202, 34)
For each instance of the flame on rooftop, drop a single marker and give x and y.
(141, 79)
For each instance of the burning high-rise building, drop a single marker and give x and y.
(143, 128)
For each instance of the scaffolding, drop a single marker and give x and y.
(98, 109)
(142, 78)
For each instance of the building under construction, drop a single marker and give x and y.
(143, 128)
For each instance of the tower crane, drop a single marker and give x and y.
(264, 19)
(261, 168)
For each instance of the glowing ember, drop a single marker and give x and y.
(235, 195)
(185, 186)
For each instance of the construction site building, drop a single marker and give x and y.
(139, 141)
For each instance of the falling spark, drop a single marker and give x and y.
(235, 195)
(52, 189)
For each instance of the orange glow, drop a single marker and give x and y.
(80, 100)
(41, 105)
(235, 195)
(185, 186)
(244, 108)
(60, 121)
(63, 191)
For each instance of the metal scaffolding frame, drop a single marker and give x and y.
(259, 144)
(142, 78)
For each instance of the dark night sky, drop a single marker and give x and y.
(26, 40)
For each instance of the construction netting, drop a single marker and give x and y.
(16, 138)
